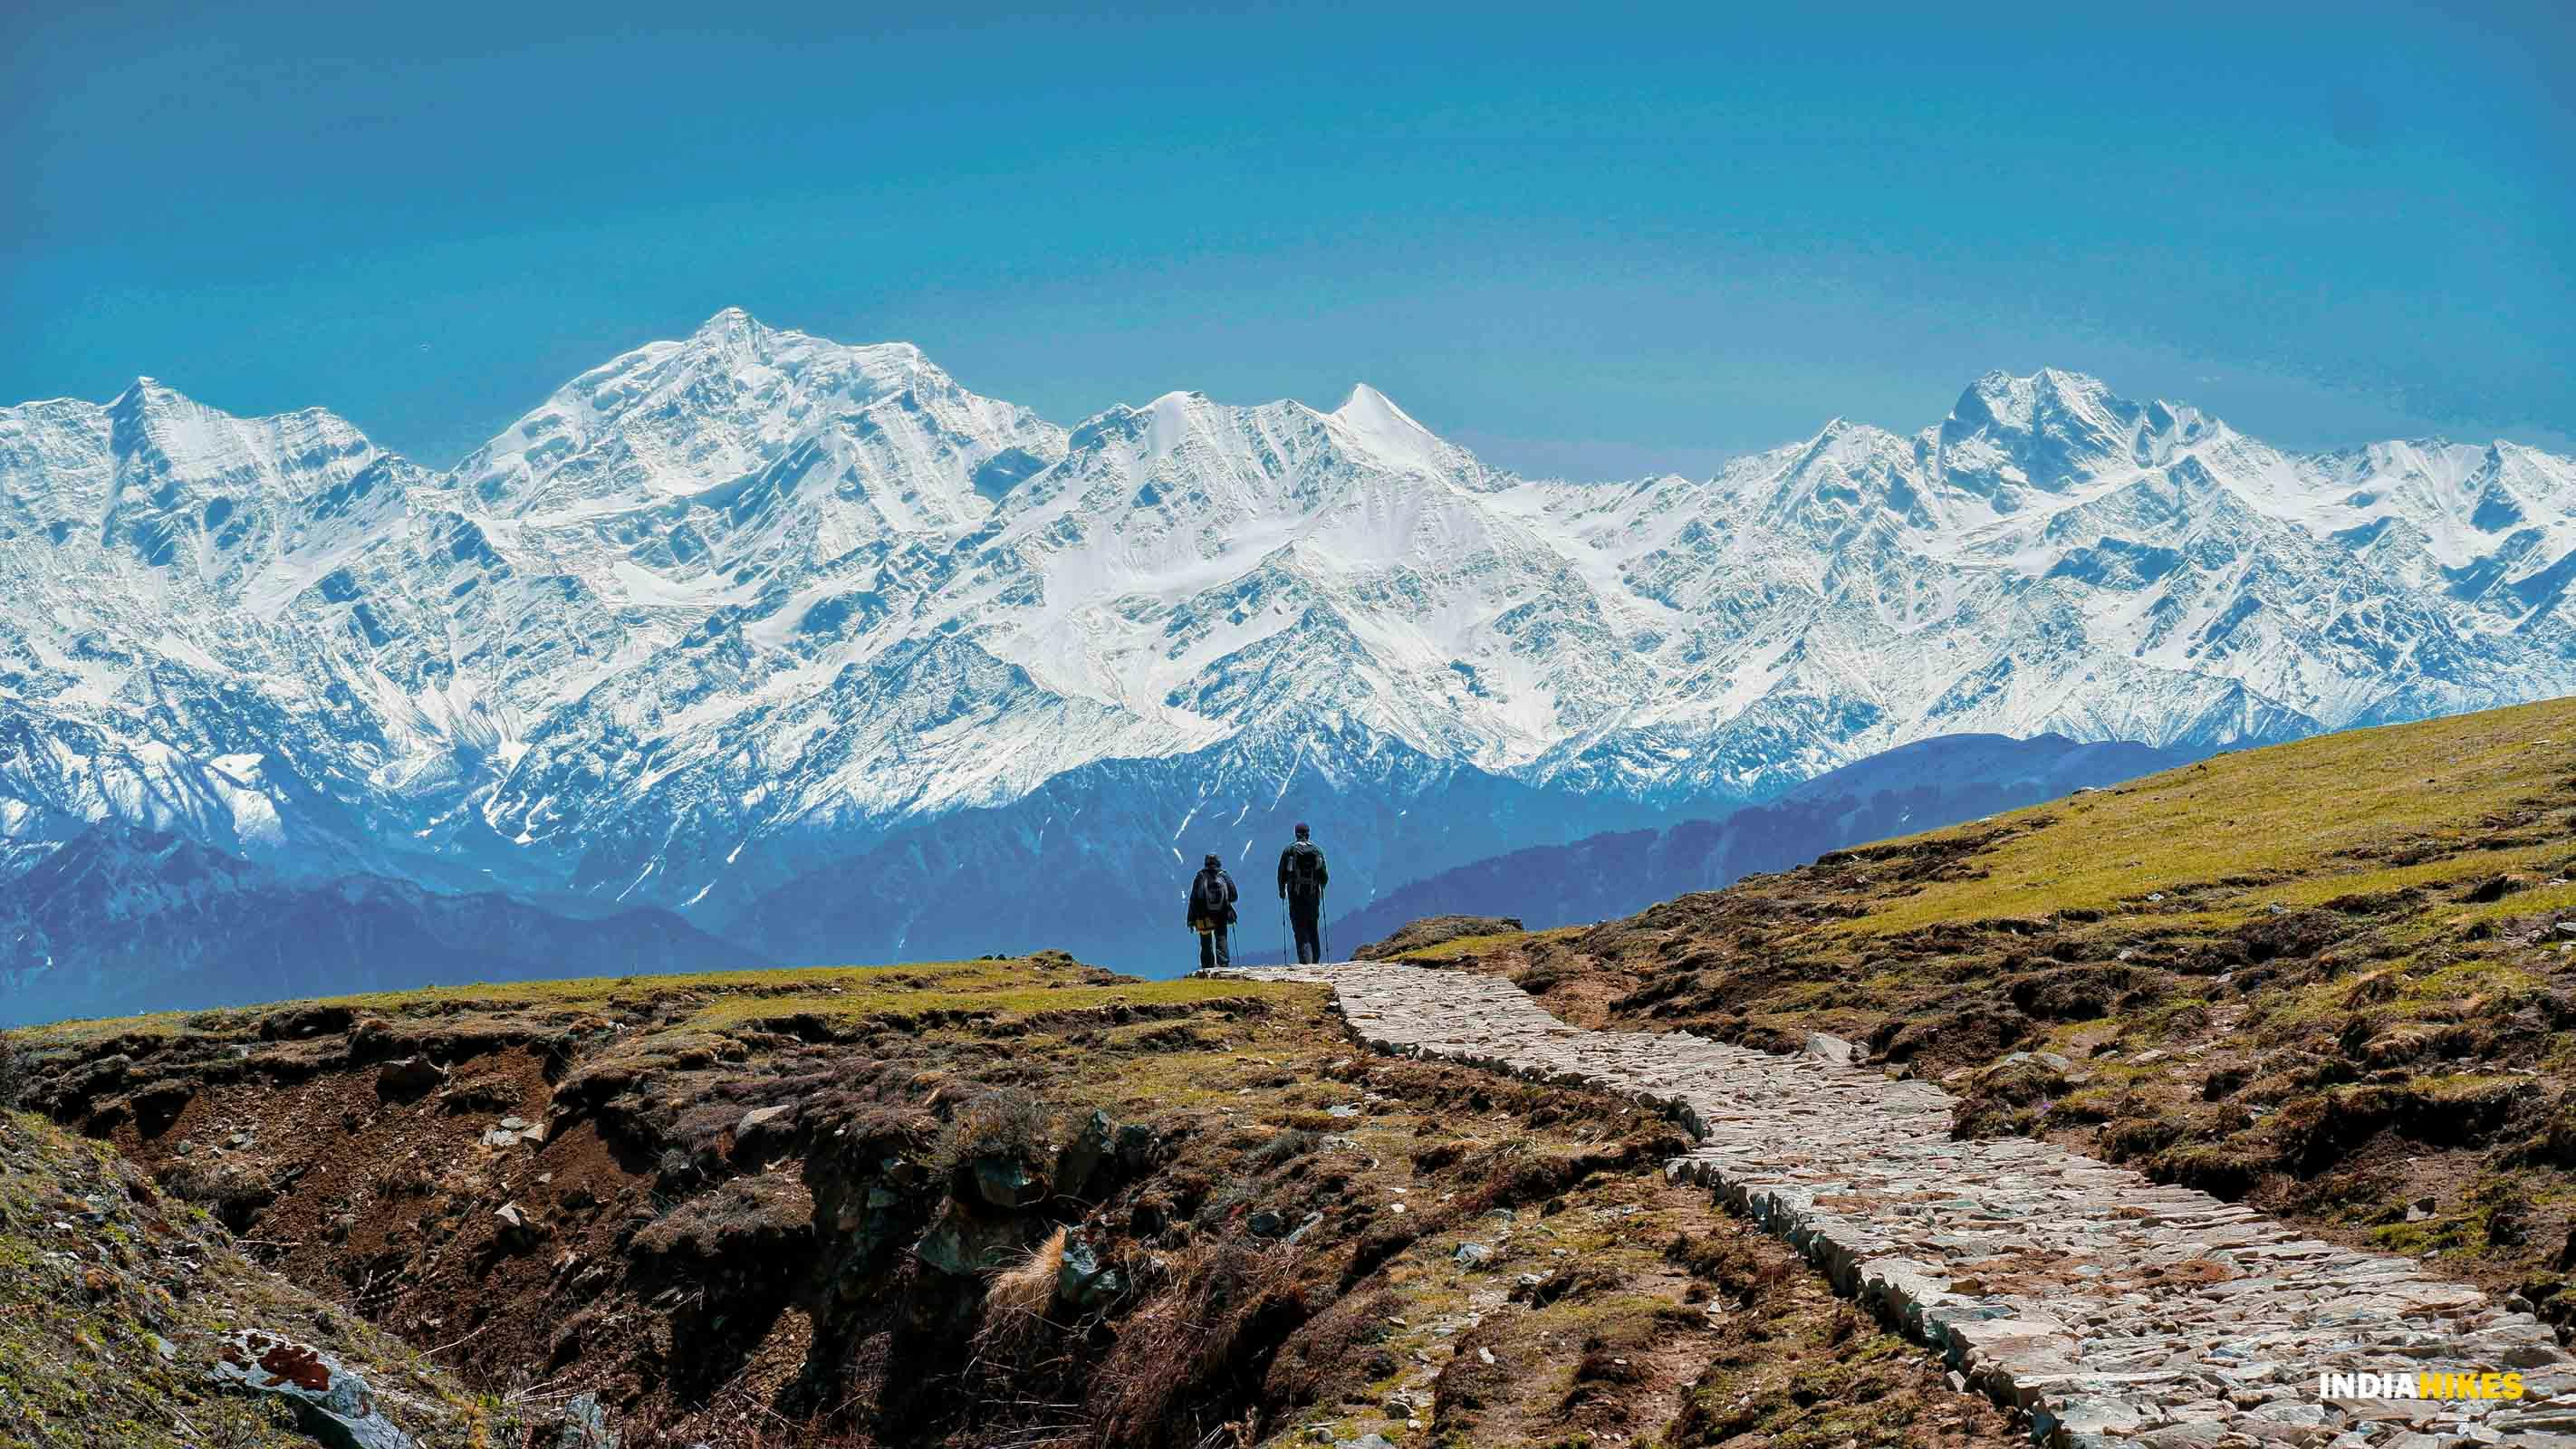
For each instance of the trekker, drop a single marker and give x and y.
(1301, 885)
(1212, 898)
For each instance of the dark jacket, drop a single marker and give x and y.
(1288, 857)
(1225, 883)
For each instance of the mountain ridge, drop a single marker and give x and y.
(121, 920)
(734, 610)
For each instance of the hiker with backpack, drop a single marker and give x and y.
(1212, 898)
(1301, 884)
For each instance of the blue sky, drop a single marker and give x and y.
(1585, 240)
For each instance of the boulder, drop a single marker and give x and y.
(1833, 1049)
(1081, 1157)
(763, 1130)
(1083, 1280)
(408, 1079)
(1005, 1181)
(964, 1243)
(583, 1424)
(870, 1217)
(519, 1232)
(1136, 1144)
(331, 1404)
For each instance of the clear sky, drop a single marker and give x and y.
(1584, 239)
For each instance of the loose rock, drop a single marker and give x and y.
(333, 1405)
(409, 1078)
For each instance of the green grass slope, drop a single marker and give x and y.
(2337, 978)
(115, 1297)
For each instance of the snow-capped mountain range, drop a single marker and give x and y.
(813, 646)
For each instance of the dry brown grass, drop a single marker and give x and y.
(1199, 1348)
(1026, 1287)
(1016, 1301)
(664, 1428)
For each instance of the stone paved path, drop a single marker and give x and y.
(2117, 1311)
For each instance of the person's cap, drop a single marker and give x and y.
(1301, 827)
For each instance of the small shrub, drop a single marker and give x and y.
(408, 1177)
(1010, 1122)
(677, 1172)
(747, 1218)
(1285, 1148)
(234, 1193)
(13, 1071)
(1026, 1287)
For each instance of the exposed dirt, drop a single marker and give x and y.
(1001, 1204)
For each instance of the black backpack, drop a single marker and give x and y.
(1303, 860)
(1207, 896)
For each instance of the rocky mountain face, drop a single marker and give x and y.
(817, 649)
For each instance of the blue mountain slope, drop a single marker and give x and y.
(1920, 786)
(123, 921)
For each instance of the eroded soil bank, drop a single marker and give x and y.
(990, 1203)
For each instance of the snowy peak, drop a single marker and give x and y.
(733, 341)
(1254, 470)
(2054, 430)
(729, 330)
(1376, 426)
(197, 440)
(675, 420)
(1849, 480)
(133, 472)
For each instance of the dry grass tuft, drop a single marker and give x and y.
(1191, 1353)
(1015, 1303)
